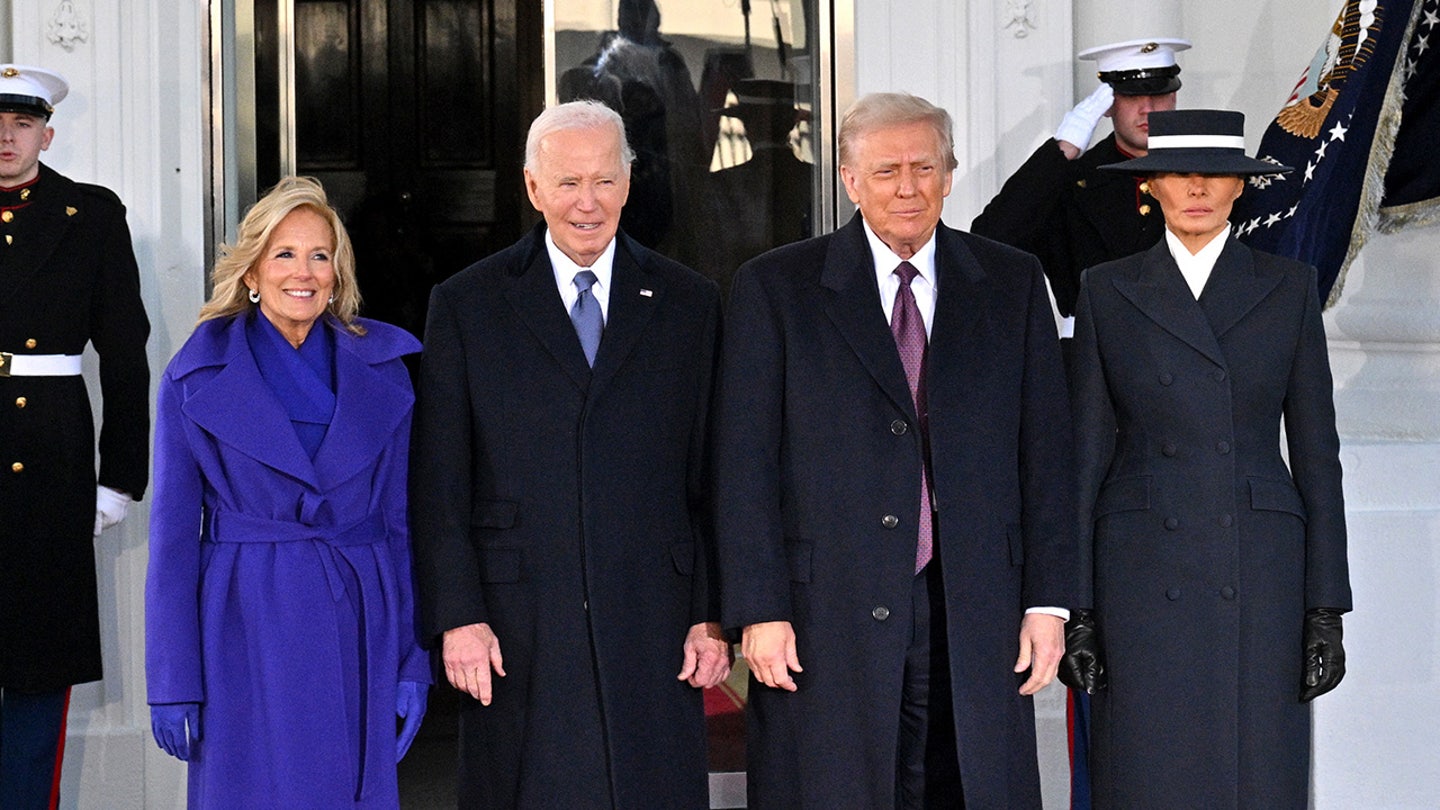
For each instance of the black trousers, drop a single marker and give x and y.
(927, 768)
(32, 743)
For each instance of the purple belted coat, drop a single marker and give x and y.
(279, 592)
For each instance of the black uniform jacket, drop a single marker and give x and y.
(1072, 215)
(67, 278)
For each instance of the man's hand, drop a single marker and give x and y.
(1042, 642)
(769, 650)
(707, 656)
(1079, 124)
(469, 653)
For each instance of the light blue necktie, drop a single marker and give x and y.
(586, 316)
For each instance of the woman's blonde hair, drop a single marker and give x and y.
(229, 296)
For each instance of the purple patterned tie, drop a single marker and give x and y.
(909, 332)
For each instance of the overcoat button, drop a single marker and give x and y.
(898, 427)
(890, 521)
(1227, 521)
(1223, 448)
(30, 344)
(21, 402)
(1172, 524)
(1227, 592)
(1219, 375)
(17, 467)
(881, 613)
(1167, 378)
(1169, 449)
(1172, 594)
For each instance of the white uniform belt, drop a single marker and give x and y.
(39, 365)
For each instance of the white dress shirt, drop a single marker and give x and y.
(1196, 267)
(565, 270)
(926, 288)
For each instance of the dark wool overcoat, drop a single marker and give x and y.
(67, 278)
(819, 497)
(565, 507)
(1200, 548)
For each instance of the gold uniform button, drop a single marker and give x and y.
(17, 467)
(7, 216)
(21, 402)
(1145, 210)
(1145, 187)
(30, 343)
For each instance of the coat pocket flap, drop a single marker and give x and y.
(1276, 496)
(493, 514)
(1123, 495)
(798, 553)
(683, 554)
(499, 565)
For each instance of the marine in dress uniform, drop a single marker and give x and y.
(67, 278)
(1058, 205)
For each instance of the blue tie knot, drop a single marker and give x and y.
(584, 280)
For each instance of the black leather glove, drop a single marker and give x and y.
(1081, 668)
(1324, 661)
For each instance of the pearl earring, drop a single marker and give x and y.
(254, 296)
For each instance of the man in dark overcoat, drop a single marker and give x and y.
(1058, 205)
(561, 532)
(67, 278)
(1215, 566)
(893, 497)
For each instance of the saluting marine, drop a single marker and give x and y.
(67, 278)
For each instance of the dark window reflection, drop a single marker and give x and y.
(715, 99)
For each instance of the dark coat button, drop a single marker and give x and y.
(1223, 448)
(890, 521)
(881, 613)
(1166, 378)
(1227, 592)
(1227, 521)
(1169, 449)
(1172, 594)
(898, 427)
(1218, 374)
(1172, 524)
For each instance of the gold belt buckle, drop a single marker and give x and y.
(6, 360)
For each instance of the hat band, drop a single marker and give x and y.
(1197, 142)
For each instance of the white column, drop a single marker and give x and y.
(132, 122)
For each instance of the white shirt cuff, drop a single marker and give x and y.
(1050, 611)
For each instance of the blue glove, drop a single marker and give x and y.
(410, 699)
(167, 723)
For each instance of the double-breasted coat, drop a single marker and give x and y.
(818, 488)
(565, 507)
(67, 278)
(1072, 215)
(1201, 549)
(279, 592)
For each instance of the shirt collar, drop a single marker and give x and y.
(886, 260)
(1196, 267)
(565, 268)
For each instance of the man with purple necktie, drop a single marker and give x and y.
(893, 508)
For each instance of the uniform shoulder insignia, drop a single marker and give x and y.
(70, 210)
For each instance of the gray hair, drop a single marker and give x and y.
(576, 115)
(877, 111)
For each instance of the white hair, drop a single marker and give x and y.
(576, 115)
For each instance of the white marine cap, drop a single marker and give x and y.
(1139, 67)
(31, 89)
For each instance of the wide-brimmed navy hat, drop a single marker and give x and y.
(1197, 142)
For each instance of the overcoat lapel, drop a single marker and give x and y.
(368, 409)
(236, 399)
(634, 294)
(1235, 287)
(1160, 292)
(854, 308)
(533, 295)
(961, 309)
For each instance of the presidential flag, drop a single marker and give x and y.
(1412, 183)
(1341, 130)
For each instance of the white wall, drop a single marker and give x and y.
(132, 122)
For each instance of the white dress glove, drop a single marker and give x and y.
(1079, 124)
(110, 506)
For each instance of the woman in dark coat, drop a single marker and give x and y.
(1214, 575)
(279, 622)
